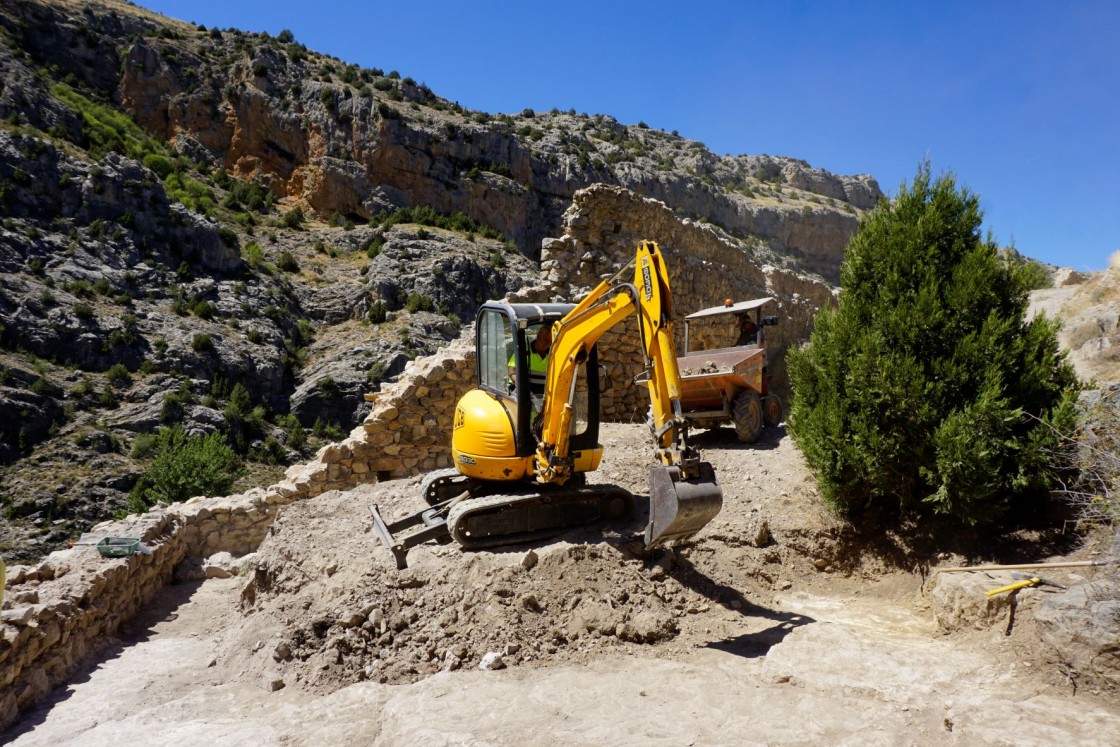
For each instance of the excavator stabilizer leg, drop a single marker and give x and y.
(679, 507)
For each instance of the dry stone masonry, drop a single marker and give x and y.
(601, 230)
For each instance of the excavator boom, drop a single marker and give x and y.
(684, 495)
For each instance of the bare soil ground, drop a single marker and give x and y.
(765, 630)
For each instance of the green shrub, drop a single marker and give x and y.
(1035, 274)
(373, 248)
(418, 302)
(271, 451)
(125, 335)
(378, 312)
(202, 308)
(927, 388)
(201, 342)
(83, 388)
(107, 399)
(160, 164)
(144, 445)
(190, 192)
(228, 237)
(105, 128)
(292, 219)
(296, 436)
(376, 372)
(184, 467)
(326, 430)
(173, 402)
(287, 262)
(118, 375)
(243, 421)
(253, 254)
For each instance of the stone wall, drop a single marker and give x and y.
(601, 231)
(70, 606)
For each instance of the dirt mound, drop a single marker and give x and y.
(345, 622)
(325, 605)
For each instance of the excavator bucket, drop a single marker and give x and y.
(679, 507)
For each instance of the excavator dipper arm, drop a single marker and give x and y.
(683, 493)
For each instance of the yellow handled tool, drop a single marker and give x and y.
(1025, 579)
(1014, 587)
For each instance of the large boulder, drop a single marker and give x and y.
(1083, 626)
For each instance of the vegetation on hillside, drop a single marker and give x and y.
(927, 388)
(1092, 455)
(183, 467)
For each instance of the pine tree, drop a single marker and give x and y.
(927, 387)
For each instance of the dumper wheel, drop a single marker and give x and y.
(746, 412)
(771, 410)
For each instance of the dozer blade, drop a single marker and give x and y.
(435, 527)
(679, 508)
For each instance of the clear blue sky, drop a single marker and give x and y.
(1021, 100)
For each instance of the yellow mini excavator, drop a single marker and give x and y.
(522, 445)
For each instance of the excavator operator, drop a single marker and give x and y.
(538, 359)
(538, 366)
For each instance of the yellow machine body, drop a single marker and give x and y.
(483, 444)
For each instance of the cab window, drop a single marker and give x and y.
(495, 349)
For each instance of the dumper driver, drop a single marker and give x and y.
(748, 331)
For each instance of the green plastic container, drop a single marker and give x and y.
(118, 547)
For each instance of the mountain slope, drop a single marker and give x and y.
(224, 231)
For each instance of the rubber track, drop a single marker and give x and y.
(457, 514)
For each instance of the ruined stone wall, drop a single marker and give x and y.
(68, 607)
(602, 229)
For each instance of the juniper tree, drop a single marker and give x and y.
(927, 387)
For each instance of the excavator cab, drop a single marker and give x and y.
(496, 426)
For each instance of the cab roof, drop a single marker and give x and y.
(531, 313)
(735, 308)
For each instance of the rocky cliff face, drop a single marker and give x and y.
(345, 140)
(187, 212)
